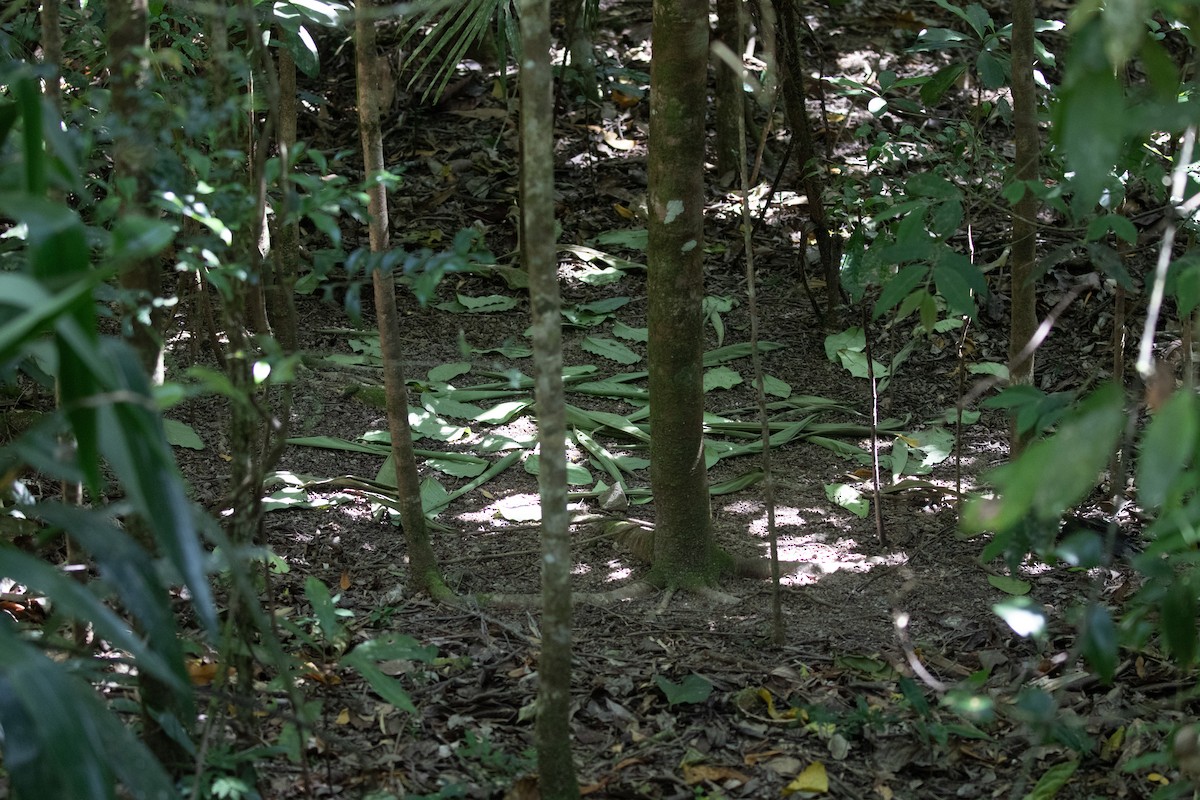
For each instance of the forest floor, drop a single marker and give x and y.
(840, 696)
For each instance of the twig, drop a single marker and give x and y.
(874, 427)
(1089, 281)
(1145, 362)
(777, 629)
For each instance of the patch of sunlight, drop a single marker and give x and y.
(617, 571)
(581, 569)
(519, 508)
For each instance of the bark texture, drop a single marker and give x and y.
(1023, 320)
(683, 545)
(552, 731)
(424, 575)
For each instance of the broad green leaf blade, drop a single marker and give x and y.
(60, 740)
(75, 601)
(721, 378)
(848, 498)
(133, 441)
(576, 475)
(1052, 780)
(448, 372)
(1013, 586)
(323, 609)
(1101, 645)
(334, 443)
(1179, 607)
(610, 349)
(180, 434)
(130, 571)
(1167, 448)
(459, 465)
(693, 689)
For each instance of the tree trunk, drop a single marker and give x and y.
(581, 22)
(52, 51)
(286, 255)
(424, 575)
(730, 105)
(132, 150)
(552, 732)
(683, 543)
(1023, 319)
(791, 62)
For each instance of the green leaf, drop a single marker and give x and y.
(1101, 646)
(132, 439)
(427, 424)
(775, 387)
(503, 413)
(1167, 448)
(180, 434)
(334, 443)
(629, 238)
(60, 740)
(1013, 586)
(385, 686)
(1052, 780)
(610, 349)
(442, 406)
(856, 365)
(897, 288)
(848, 498)
(632, 334)
(445, 373)
(959, 282)
(941, 81)
(75, 601)
(481, 305)
(576, 475)
(433, 494)
(953, 286)
(324, 610)
(732, 352)
(928, 184)
(721, 378)
(136, 237)
(460, 465)
(989, 368)
(992, 70)
(1055, 473)
(1179, 621)
(693, 689)
(1091, 118)
(134, 576)
(851, 340)
(734, 485)
(899, 457)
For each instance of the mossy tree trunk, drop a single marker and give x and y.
(683, 542)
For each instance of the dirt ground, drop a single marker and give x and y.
(841, 695)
